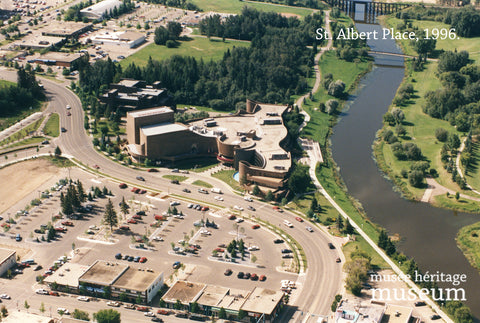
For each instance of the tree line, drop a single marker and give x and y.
(272, 69)
(21, 96)
(182, 4)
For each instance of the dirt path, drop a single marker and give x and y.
(23, 178)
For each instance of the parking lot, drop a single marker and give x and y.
(171, 238)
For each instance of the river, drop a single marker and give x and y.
(427, 233)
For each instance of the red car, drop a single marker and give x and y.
(125, 227)
(254, 277)
(143, 259)
(299, 219)
(263, 278)
(232, 217)
(278, 209)
(132, 221)
(255, 226)
(53, 294)
(60, 229)
(142, 308)
(123, 185)
(70, 224)
(96, 166)
(219, 250)
(159, 217)
(153, 170)
(205, 208)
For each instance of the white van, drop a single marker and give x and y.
(216, 190)
(288, 223)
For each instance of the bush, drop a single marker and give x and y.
(171, 44)
(441, 134)
(331, 106)
(415, 178)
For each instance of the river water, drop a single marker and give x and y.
(428, 233)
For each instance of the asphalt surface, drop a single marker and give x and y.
(323, 277)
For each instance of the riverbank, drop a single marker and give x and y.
(419, 129)
(468, 240)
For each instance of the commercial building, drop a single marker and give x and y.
(8, 259)
(373, 313)
(58, 59)
(133, 94)
(66, 29)
(128, 39)
(211, 299)
(121, 280)
(97, 11)
(250, 141)
(66, 277)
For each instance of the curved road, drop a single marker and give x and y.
(323, 277)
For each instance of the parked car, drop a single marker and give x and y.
(41, 291)
(420, 303)
(176, 265)
(435, 317)
(153, 170)
(255, 226)
(113, 304)
(83, 298)
(129, 306)
(52, 293)
(262, 278)
(228, 272)
(240, 274)
(123, 185)
(251, 208)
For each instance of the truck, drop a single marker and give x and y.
(216, 190)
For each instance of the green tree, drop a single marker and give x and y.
(124, 206)
(222, 314)
(4, 311)
(178, 305)
(107, 316)
(110, 216)
(26, 305)
(80, 315)
(174, 29)
(269, 196)
(348, 228)
(42, 307)
(194, 308)
(58, 152)
(256, 190)
(161, 35)
(241, 314)
(299, 180)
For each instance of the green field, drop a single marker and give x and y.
(468, 241)
(52, 126)
(198, 47)
(236, 6)
(227, 177)
(175, 177)
(421, 127)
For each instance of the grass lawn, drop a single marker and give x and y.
(473, 172)
(52, 126)
(202, 183)
(361, 244)
(196, 165)
(227, 177)
(468, 241)
(22, 133)
(198, 47)
(4, 83)
(236, 6)
(28, 141)
(462, 205)
(175, 177)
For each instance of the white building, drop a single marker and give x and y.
(128, 39)
(97, 10)
(7, 260)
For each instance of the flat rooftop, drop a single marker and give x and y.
(64, 27)
(185, 292)
(129, 83)
(162, 128)
(262, 300)
(267, 139)
(397, 314)
(63, 57)
(68, 274)
(212, 295)
(354, 313)
(5, 253)
(100, 7)
(135, 279)
(103, 273)
(234, 300)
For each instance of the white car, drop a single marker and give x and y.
(158, 238)
(150, 314)
(114, 304)
(248, 199)
(83, 298)
(41, 291)
(174, 203)
(205, 232)
(218, 198)
(181, 241)
(190, 205)
(68, 107)
(5, 296)
(253, 248)
(288, 223)
(239, 208)
(309, 229)
(239, 220)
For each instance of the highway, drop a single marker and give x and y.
(323, 277)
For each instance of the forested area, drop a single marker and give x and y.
(314, 4)
(182, 4)
(272, 69)
(21, 96)
(466, 21)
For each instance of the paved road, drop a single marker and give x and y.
(323, 278)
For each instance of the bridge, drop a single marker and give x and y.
(371, 7)
(372, 52)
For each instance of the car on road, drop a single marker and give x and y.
(63, 129)
(286, 251)
(287, 256)
(186, 190)
(5, 296)
(299, 219)
(113, 304)
(248, 199)
(175, 181)
(123, 185)
(69, 114)
(309, 229)
(256, 226)
(83, 298)
(420, 303)
(149, 314)
(176, 265)
(202, 190)
(218, 198)
(278, 241)
(41, 291)
(140, 178)
(228, 272)
(338, 259)
(239, 220)
(435, 317)
(68, 107)
(331, 246)
(251, 208)
(156, 319)
(238, 208)
(152, 170)
(288, 223)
